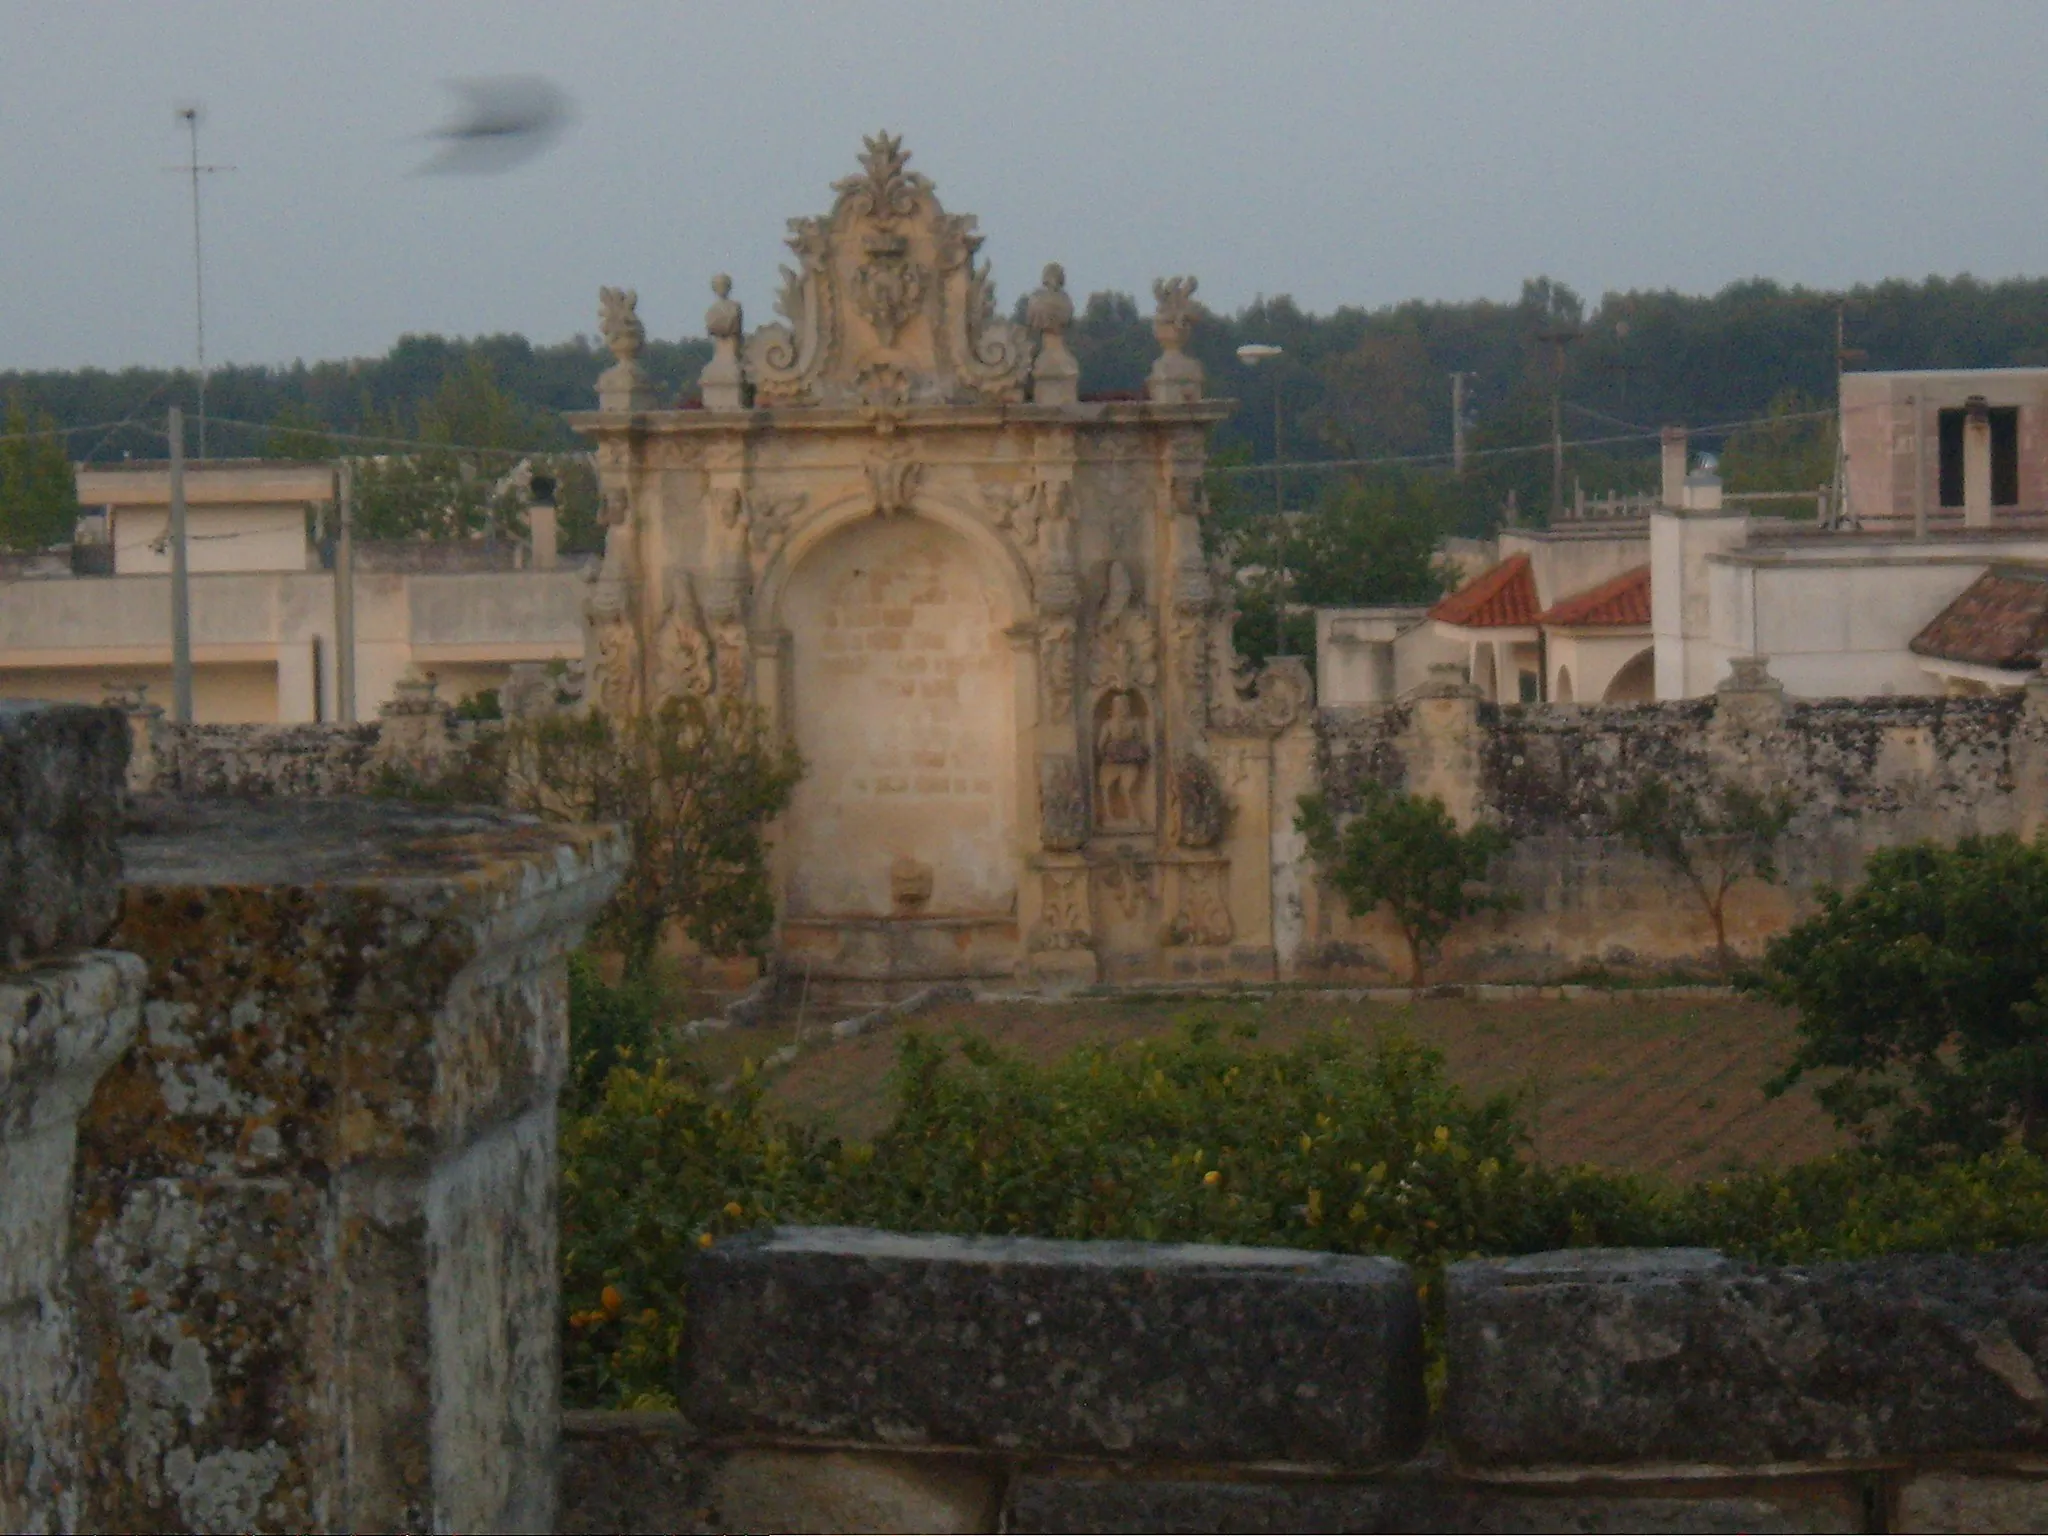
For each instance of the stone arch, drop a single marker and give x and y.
(900, 690)
(1562, 693)
(1636, 682)
(1001, 560)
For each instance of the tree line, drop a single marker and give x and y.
(1354, 384)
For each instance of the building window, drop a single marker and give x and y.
(2005, 456)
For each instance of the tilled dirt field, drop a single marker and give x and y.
(1624, 1079)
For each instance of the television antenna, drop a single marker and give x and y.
(189, 116)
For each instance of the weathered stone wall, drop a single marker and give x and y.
(1863, 773)
(315, 1217)
(837, 1380)
(66, 1012)
(297, 761)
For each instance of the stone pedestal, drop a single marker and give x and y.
(316, 1213)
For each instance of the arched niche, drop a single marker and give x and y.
(1636, 682)
(900, 691)
(1562, 693)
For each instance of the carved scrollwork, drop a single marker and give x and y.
(1064, 918)
(1203, 917)
(893, 479)
(1062, 808)
(1124, 649)
(682, 649)
(1056, 666)
(614, 675)
(1271, 703)
(769, 520)
(1201, 810)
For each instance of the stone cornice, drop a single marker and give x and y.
(874, 420)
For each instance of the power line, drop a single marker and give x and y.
(1717, 429)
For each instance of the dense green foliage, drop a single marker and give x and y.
(1206, 1137)
(1712, 841)
(38, 499)
(1921, 997)
(1406, 851)
(694, 785)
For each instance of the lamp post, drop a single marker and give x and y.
(1251, 354)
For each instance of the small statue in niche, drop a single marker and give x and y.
(1123, 749)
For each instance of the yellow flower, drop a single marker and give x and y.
(704, 1239)
(611, 1298)
(1213, 1177)
(734, 1209)
(1443, 1134)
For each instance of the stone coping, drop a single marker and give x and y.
(344, 842)
(1125, 1349)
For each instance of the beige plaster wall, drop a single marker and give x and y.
(904, 709)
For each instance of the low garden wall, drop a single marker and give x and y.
(835, 1379)
(1863, 774)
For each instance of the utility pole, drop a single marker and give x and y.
(1557, 336)
(345, 598)
(189, 116)
(1458, 423)
(181, 584)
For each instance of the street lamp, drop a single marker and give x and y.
(1251, 354)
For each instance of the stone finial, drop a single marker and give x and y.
(1749, 698)
(1176, 378)
(723, 382)
(625, 385)
(1055, 375)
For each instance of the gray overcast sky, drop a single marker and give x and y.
(1343, 153)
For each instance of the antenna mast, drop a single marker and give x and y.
(189, 116)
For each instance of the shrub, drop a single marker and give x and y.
(1406, 851)
(1921, 992)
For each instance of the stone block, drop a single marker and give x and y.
(631, 1472)
(1128, 1349)
(63, 768)
(1962, 1500)
(1042, 1501)
(61, 1026)
(317, 1204)
(790, 1490)
(1678, 1357)
(651, 1472)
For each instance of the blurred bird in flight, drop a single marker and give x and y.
(501, 122)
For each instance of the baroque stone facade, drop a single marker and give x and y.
(976, 599)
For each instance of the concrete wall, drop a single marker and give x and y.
(263, 642)
(843, 1380)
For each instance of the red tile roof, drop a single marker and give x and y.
(1621, 603)
(1502, 597)
(1999, 620)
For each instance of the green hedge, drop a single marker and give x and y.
(1204, 1137)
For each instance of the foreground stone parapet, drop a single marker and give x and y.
(316, 1215)
(61, 1026)
(1124, 1349)
(1679, 1357)
(62, 769)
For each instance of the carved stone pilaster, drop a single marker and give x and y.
(1066, 918)
(1062, 803)
(1201, 916)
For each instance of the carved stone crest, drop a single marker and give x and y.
(1175, 378)
(885, 256)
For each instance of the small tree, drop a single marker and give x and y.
(1406, 851)
(38, 496)
(1924, 990)
(1730, 834)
